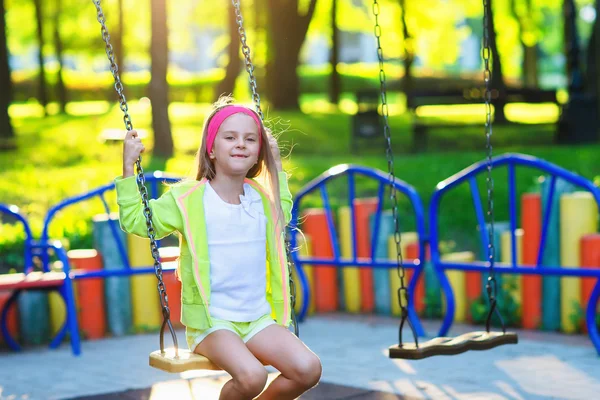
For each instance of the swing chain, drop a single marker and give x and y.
(403, 295)
(491, 285)
(114, 68)
(256, 99)
(162, 291)
(246, 52)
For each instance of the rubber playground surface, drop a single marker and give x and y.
(353, 350)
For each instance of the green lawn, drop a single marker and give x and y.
(60, 156)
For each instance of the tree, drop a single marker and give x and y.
(497, 77)
(232, 69)
(58, 45)
(596, 34)
(334, 81)
(43, 91)
(593, 55)
(287, 31)
(7, 134)
(530, 48)
(409, 53)
(571, 48)
(159, 89)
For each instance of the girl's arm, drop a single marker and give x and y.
(284, 190)
(286, 197)
(165, 216)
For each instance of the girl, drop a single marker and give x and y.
(233, 267)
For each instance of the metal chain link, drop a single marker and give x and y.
(491, 286)
(248, 60)
(403, 295)
(162, 291)
(256, 98)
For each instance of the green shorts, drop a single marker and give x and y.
(245, 330)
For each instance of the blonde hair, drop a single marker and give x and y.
(264, 172)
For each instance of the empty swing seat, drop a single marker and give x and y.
(447, 346)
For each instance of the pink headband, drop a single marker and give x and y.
(222, 115)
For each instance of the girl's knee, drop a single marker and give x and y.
(309, 371)
(251, 381)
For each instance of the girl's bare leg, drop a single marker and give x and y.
(229, 352)
(300, 368)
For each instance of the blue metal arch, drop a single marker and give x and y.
(510, 160)
(319, 184)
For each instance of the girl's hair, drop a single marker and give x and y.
(264, 171)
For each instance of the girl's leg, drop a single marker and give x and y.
(300, 368)
(229, 352)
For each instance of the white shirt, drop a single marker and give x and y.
(237, 253)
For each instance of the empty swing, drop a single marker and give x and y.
(478, 340)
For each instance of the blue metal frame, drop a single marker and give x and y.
(153, 179)
(40, 248)
(31, 247)
(43, 247)
(350, 171)
(511, 161)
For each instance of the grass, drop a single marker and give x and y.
(61, 156)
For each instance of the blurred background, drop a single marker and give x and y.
(317, 71)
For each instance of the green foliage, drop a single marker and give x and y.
(61, 156)
(507, 302)
(577, 316)
(438, 30)
(12, 247)
(433, 303)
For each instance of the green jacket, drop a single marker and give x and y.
(181, 209)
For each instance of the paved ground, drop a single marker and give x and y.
(355, 365)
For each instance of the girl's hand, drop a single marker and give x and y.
(132, 148)
(274, 150)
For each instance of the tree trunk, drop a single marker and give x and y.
(39, 16)
(227, 85)
(287, 31)
(571, 48)
(58, 45)
(596, 34)
(497, 77)
(159, 90)
(409, 55)
(592, 62)
(7, 134)
(334, 82)
(529, 65)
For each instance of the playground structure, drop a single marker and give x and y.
(356, 249)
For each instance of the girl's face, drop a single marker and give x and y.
(236, 147)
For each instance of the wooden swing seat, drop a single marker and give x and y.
(447, 346)
(187, 361)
